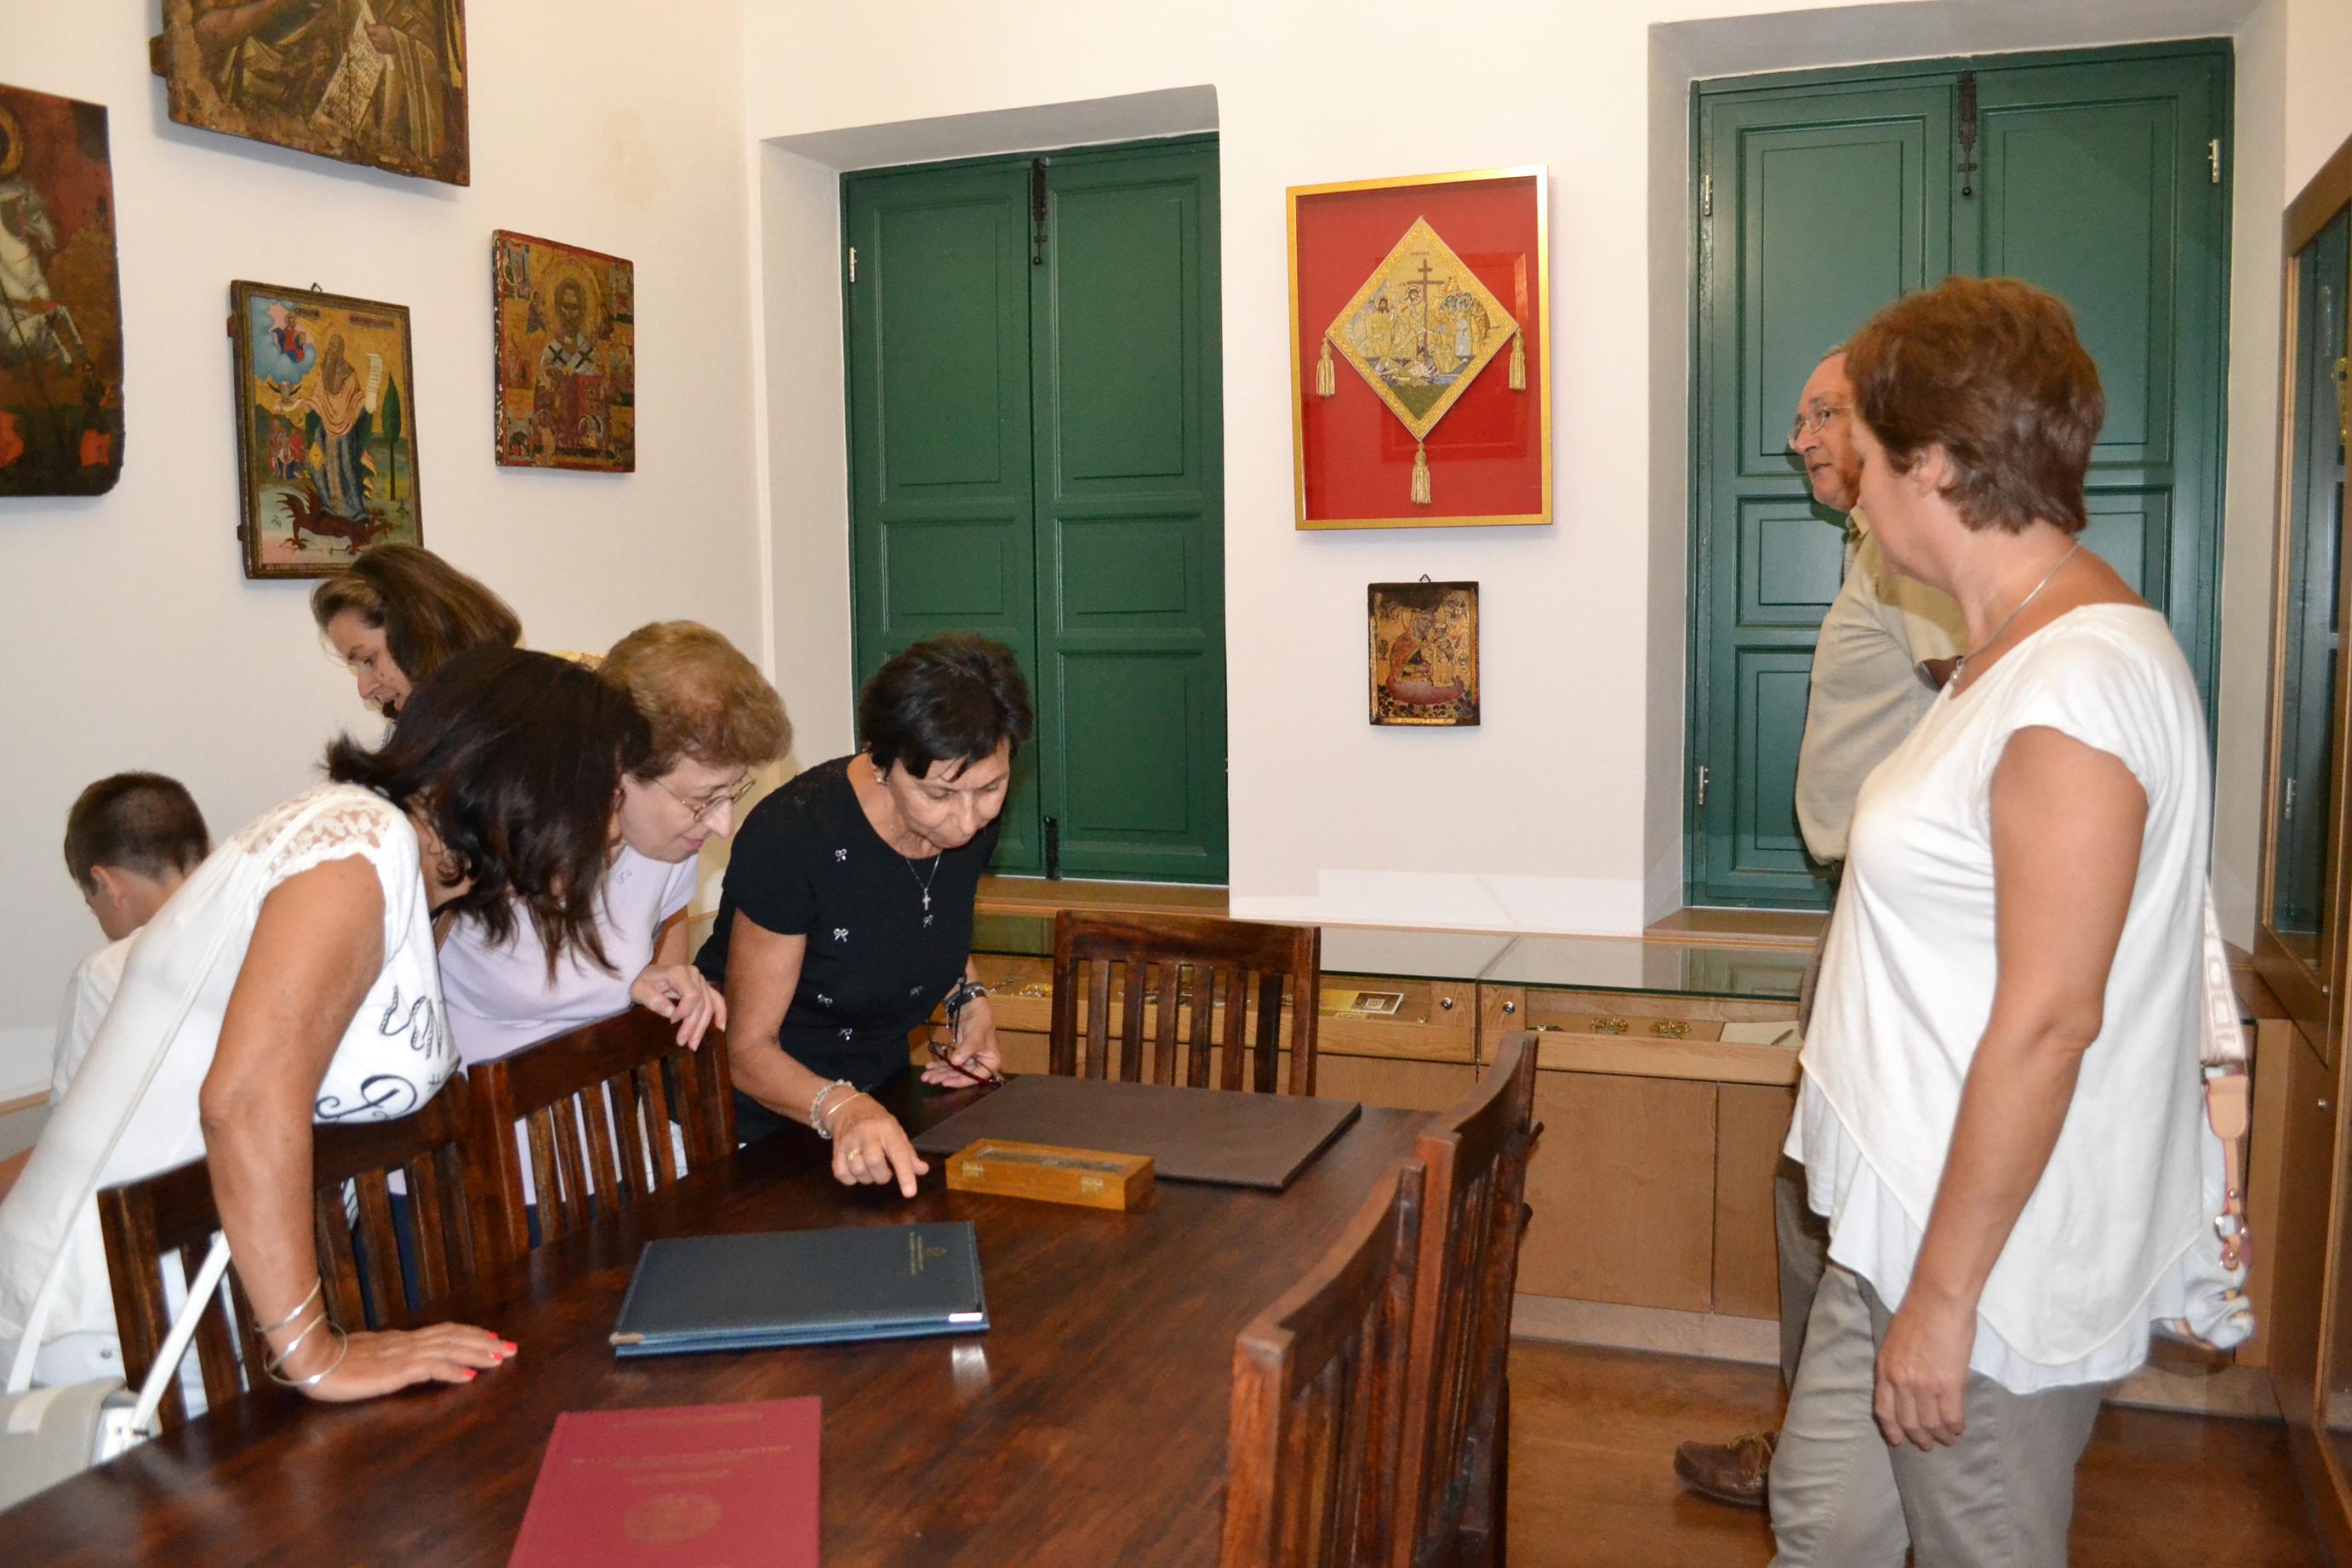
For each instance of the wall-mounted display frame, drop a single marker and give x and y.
(1420, 350)
(326, 428)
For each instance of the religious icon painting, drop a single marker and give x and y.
(60, 300)
(1424, 652)
(1420, 392)
(377, 82)
(326, 428)
(567, 369)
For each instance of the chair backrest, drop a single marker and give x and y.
(595, 1107)
(362, 1272)
(1319, 1388)
(1474, 1212)
(1227, 973)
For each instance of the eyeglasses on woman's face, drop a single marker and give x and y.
(700, 806)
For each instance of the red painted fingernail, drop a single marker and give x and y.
(470, 1375)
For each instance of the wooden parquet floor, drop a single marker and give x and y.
(1592, 1483)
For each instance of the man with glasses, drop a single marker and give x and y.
(1886, 649)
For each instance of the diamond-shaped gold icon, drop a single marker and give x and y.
(1420, 329)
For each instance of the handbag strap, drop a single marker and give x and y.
(184, 1329)
(20, 1371)
(2221, 1054)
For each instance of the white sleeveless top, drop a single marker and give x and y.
(394, 1056)
(1907, 989)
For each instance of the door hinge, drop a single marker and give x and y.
(1053, 849)
(2287, 805)
(1968, 131)
(1037, 210)
(1704, 774)
(2214, 158)
(1707, 195)
(853, 263)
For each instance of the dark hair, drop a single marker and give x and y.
(429, 610)
(516, 758)
(704, 699)
(143, 823)
(1990, 370)
(951, 698)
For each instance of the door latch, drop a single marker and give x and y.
(1703, 775)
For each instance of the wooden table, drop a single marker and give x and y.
(1087, 1427)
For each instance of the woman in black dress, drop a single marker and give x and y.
(846, 916)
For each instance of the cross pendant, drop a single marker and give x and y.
(926, 900)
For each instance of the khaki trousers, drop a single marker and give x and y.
(2002, 1497)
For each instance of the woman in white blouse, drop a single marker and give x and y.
(291, 981)
(2001, 1104)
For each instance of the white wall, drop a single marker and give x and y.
(1563, 812)
(128, 633)
(2318, 98)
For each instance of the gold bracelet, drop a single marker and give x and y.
(839, 1105)
(317, 1285)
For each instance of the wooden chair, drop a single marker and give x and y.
(624, 1079)
(173, 1212)
(1208, 968)
(1319, 1388)
(1457, 1436)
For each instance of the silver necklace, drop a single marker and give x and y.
(923, 882)
(1960, 665)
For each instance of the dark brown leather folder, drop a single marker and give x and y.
(1227, 1136)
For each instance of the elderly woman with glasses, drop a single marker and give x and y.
(714, 719)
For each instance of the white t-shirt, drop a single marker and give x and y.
(1907, 989)
(499, 997)
(88, 996)
(394, 1056)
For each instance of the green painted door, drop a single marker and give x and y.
(1824, 197)
(1036, 454)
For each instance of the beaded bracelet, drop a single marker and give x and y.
(816, 1106)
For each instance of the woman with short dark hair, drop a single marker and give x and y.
(291, 981)
(398, 612)
(847, 911)
(2000, 1111)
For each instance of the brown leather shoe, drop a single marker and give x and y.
(1731, 1472)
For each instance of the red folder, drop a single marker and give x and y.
(688, 1484)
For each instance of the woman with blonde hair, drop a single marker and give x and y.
(714, 719)
(2000, 1114)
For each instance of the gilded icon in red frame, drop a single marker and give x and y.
(1420, 375)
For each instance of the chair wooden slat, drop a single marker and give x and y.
(171, 1214)
(606, 1115)
(569, 1169)
(1204, 1026)
(1163, 1030)
(1097, 1061)
(1130, 1024)
(619, 1071)
(1456, 1444)
(1318, 1398)
(1236, 990)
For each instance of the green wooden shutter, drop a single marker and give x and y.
(1834, 192)
(1037, 454)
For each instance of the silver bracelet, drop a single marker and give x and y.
(317, 1285)
(816, 1106)
(317, 1377)
(270, 1363)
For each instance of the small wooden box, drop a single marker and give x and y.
(1091, 1177)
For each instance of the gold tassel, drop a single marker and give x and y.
(1326, 379)
(1421, 475)
(1518, 361)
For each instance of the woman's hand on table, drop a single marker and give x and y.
(1923, 1373)
(380, 1364)
(975, 1041)
(869, 1148)
(679, 993)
